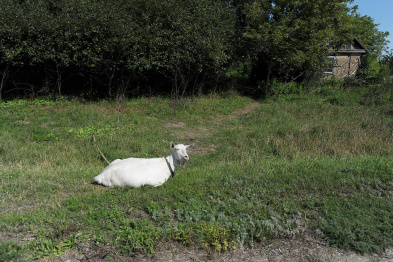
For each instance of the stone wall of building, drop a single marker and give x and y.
(346, 66)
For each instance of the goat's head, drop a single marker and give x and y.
(180, 152)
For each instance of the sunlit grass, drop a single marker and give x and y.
(281, 169)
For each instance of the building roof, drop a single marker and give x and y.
(356, 47)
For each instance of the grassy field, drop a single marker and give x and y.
(259, 171)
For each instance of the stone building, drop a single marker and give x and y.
(346, 61)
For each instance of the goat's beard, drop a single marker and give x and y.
(183, 163)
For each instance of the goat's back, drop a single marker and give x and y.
(134, 172)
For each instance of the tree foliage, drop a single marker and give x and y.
(293, 37)
(364, 28)
(387, 60)
(123, 47)
(113, 43)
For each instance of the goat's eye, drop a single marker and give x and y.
(177, 149)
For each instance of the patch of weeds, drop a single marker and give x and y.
(53, 247)
(136, 235)
(45, 101)
(374, 95)
(281, 90)
(193, 211)
(160, 215)
(152, 207)
(114, 225)
(17, 103)
(181, 233)
(361, 224)
(88, 131)
(279, 225)
(213, 237)
(39, 136)
(99, 238)
(9, 251)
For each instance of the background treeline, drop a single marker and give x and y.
(112, 48)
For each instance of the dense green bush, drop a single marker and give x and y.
(97, 48)
(387, 60)
(112, 47)
(372, 71)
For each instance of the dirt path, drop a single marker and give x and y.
(252, 106)
(198, 134)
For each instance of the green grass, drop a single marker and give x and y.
(296, 164)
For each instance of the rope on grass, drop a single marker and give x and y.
(94, 139)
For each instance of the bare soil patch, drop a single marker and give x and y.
(23, 122)
(179, 124)
(304, 248)
(252, 106)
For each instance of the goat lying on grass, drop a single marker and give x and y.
(136, 172)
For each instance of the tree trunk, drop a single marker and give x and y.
(110, 83)
(2, 83)
(59, 80)
(269, 72)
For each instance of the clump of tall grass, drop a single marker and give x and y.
(309, 129)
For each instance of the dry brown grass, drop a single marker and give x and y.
(324, 130)
(339, 139)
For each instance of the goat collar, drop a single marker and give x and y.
(169, 166)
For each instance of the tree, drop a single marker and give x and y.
(387, 59)
(292, 37)
(187, 41)
(11, 40)
(364, 28)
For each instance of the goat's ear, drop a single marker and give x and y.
(189, 146)
(172, 145)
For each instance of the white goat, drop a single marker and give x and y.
(136, 172)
